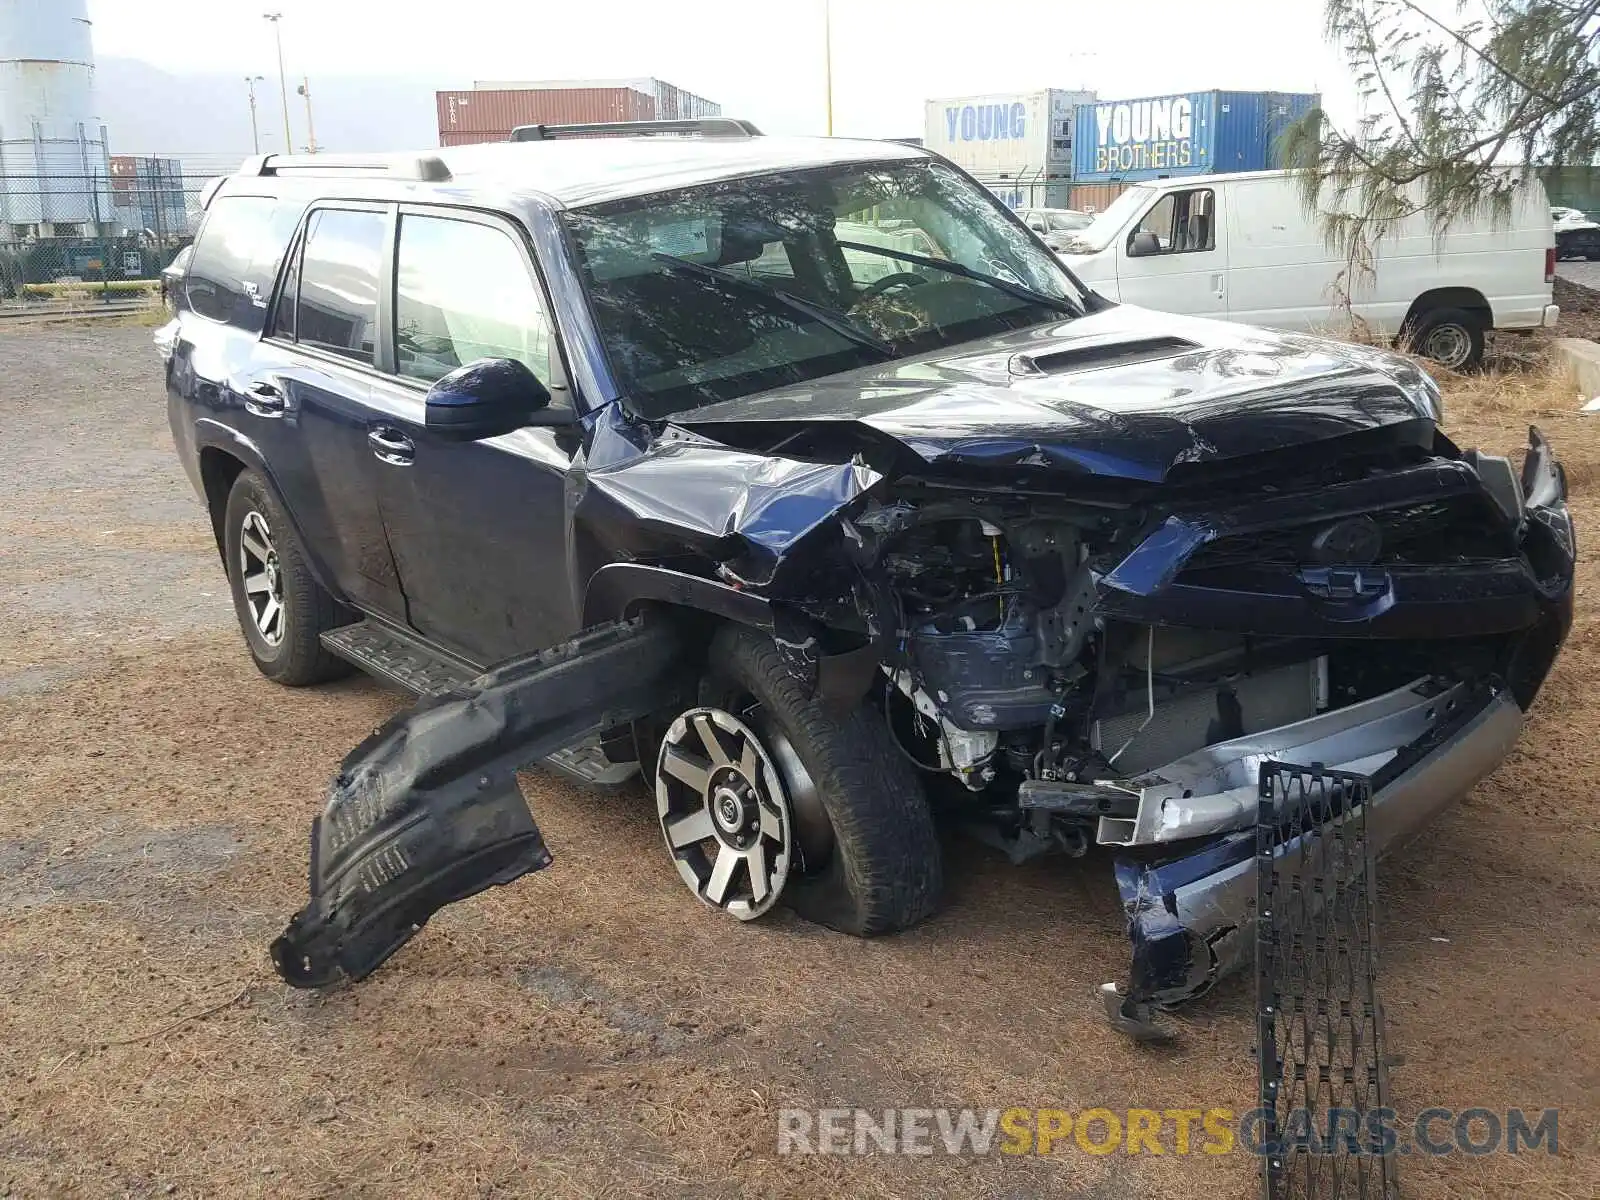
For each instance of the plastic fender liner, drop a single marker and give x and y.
(427, 810)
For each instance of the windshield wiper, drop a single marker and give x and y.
(836, 321)
(1021, 291)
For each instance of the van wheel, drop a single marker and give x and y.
(1451, 337)
(783, 783)
(283, 611)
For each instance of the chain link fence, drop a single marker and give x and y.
(106, 233)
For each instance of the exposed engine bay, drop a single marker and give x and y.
(1002, 674)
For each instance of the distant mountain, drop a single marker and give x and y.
(205, 118)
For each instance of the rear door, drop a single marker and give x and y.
(313, 383)
(477, 529)
(1175, 258)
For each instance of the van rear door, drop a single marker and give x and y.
(1175, 256)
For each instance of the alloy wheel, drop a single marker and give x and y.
(262, 574)
(724, 812)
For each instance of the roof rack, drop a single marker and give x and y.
(709, 127)
(424, 168)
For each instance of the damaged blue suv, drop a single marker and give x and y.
(798, 476)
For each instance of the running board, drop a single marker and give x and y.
(398, 658)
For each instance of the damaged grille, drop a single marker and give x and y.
(1434, 533)
(1320, 1025)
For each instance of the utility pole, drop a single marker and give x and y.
(283, 80)
(827, 56)
(311, 129)
(250, 82)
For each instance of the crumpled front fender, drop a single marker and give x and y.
(427, 810)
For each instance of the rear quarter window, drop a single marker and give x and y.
(237, 257)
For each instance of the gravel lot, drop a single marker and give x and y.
(591, 1031)
(1586, 274)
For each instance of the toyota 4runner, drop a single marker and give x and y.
(800, 477)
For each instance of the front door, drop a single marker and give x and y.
(477, 529)
(1175, 259)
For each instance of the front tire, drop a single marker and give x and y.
(283, 611)
(868, 859)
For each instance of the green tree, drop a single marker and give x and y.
(1461, 102)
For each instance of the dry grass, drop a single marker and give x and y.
(590, 1031)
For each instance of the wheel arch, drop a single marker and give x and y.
(1465, 298)
(224, 455)
(620, 591)
(617, 591)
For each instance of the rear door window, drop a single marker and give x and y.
(337, 309)
(236, 260)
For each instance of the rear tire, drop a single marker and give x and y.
(881, 870)
(283, 611)
(1451, 337)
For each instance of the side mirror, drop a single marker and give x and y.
(1143, 242)
(487, 398)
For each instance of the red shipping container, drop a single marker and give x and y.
(493, 111)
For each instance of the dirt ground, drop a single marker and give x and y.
(592, 1031)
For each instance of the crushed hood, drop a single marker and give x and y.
(1123, 393)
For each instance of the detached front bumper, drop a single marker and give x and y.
(1191, 919)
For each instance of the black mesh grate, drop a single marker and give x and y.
(1439, 532)
(1319, 1022)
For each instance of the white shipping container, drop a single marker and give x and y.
(1006, 135)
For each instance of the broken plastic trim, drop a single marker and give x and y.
(427, 810)
(1191, 920)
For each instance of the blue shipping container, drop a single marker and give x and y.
(1195, 133)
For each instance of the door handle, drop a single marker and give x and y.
(264, 399)
(1216, 284)
(391, 446)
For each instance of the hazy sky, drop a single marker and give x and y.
(760, 59)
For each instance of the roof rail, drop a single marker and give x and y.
(425, 168)
(709, 127)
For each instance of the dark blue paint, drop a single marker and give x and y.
(1156, 561)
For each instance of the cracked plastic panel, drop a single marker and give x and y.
(427, 810)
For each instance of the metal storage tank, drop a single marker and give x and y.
(52, 144)
(1193, 133)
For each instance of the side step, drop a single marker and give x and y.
(397, 658)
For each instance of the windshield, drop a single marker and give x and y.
(734, 287)
(1103, 230)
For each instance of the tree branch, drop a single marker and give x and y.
(1587, 12)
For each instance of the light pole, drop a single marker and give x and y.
(311, 129)
(250, 82)
(283, 81)
(827, 56)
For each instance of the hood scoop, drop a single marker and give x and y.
(1097, 355)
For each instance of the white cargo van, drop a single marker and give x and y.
(1243, 248)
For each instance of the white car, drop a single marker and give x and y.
(1055, 225)
(1242, 247)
